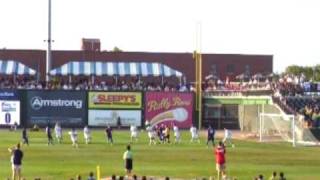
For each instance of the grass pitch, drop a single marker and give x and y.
(184, 161)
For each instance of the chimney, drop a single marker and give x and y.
(90, 44)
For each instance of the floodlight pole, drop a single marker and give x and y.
(49, 41)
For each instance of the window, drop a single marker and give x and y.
(213, 69)
(247, 70)
(230, 69)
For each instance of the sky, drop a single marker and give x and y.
(287, 29)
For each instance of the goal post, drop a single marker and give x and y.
(282, 127)
(277, 127)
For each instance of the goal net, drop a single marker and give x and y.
(278, 127)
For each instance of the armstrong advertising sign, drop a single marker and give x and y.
(114, 100)
(168, 108)
(66, 107)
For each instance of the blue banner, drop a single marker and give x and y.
(9, 95)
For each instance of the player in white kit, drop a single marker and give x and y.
(58, 132)
(194, 134)
(176, 134)
(227, 137)
(151, 135)
(134, 133)
(74, 137)
(87, 134)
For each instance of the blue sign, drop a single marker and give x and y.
(9, 95)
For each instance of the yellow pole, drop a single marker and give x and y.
(98, 173)
(198, 62)
(200, 90)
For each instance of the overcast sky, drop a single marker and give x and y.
(288, 29)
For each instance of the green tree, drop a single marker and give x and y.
(116, 49)
(294, 70)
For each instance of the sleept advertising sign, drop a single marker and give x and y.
(114, 100)
(169, 107)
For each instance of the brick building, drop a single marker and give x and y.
(222, 65)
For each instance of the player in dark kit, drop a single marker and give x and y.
(109, 134)
(49, 135)
(25, 139)
(210, 137)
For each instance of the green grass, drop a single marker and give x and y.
(185, 161)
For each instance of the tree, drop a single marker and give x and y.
(294, 70)
(116, 49)
(310, 72)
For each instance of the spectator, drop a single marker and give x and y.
(281, 174)
(144, 178)
(134, 177)
(260, 177)
(78, 177)
(91, 177)
(113, 177)
(16, 160)
(273, 176)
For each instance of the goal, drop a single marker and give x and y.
(280, 127)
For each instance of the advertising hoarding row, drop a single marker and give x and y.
(79, 108)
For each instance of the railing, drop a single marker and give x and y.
(261, 92)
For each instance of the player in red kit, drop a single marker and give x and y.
(220, 152)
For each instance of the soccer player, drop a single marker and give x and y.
(108, 133)
(166, 134)
(74, 137)
(176, 134)
(87, 134)
(220, 152)
(151, 135)
(25, 139)
(194, 134)
(49, 135)
(160, 132)
(58, 132)
(16, 161)
(210, 136)
(134, 133)
(227, 137)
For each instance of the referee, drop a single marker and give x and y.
(127, 157)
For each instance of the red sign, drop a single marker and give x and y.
(169, 107)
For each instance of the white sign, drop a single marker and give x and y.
(110, 117)
(9, 112)
(37, 103)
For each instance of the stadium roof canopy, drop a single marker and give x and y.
(12, 67)
(98, 68)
